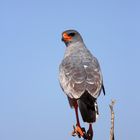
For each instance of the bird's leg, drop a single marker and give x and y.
(77, 129)
(90, 132)
(76, 112)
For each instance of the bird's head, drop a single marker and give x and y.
(71, 36)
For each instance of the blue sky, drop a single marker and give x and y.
(32, 104)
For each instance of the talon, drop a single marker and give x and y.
(84, 133)
(73, 133)
(77, 131)
(80, 132)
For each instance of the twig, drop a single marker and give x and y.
(112, 120)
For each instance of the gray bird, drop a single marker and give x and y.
(81, 80)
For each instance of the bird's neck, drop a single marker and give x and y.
(74, 48)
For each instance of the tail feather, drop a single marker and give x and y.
(88, 108)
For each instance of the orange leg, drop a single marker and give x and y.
(76, 112)
(90, 132)
(78, 130)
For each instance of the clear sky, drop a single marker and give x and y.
(32, 104)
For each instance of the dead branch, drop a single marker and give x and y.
(112, 120)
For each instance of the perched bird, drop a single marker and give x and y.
(81, 80)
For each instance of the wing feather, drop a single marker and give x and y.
(72, 77)
(94, 77)
(78, 75)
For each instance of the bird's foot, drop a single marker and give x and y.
(89, 135)
(80, 132)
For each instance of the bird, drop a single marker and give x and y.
(81, 79)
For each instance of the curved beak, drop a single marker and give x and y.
(66, 37)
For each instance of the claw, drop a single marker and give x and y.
(80, 132)
(73, 133)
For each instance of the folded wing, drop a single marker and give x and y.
(78, 76)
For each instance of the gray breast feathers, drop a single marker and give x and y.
(78, 75)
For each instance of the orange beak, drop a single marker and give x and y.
(66, 37)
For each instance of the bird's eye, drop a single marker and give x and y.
(71, 34)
